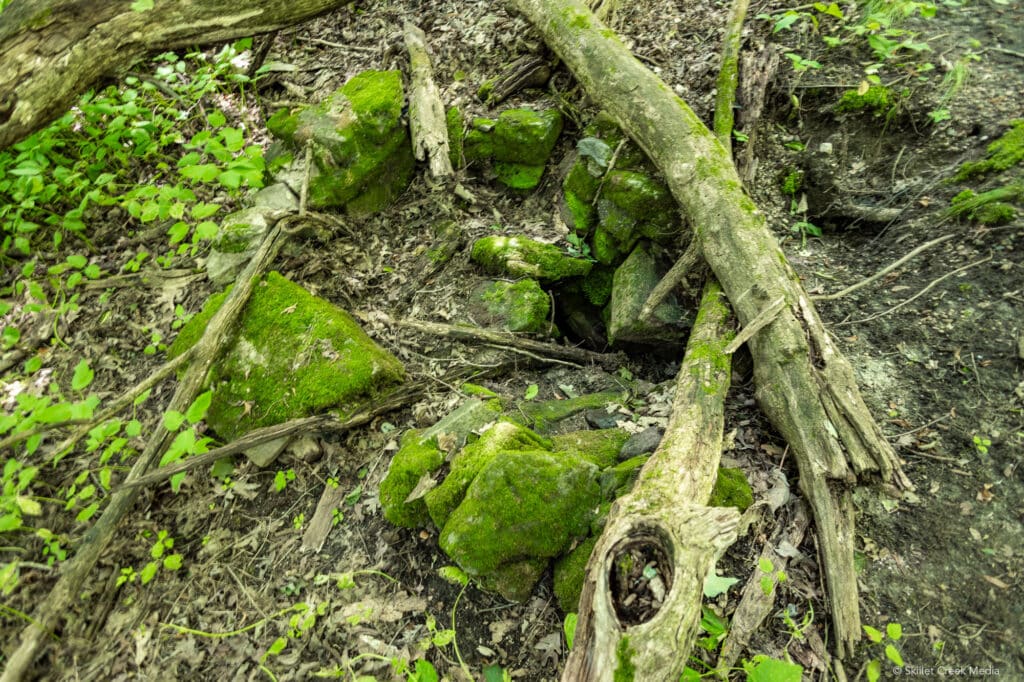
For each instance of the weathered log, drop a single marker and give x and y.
(426, 112)
(53, 50)
(805, 386)
(664, 516)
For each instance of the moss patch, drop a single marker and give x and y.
(522, 257)
(416, 458)
(294, 355)
(526, 137)
(731, 490)
(877, 99)
(1004, 153)
(600, 446)
(543, 414)
(454, 122)
(570, 571)
(519, 307)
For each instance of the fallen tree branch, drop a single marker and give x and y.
(675, 275)
(510, 341)
(728, 74)
(804, 384)
(53, 50)
(95, 540)
(304, 425)
(427, 123)
(664, 518)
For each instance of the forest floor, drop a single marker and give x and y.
(937, 345)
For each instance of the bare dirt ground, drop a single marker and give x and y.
(941, 371)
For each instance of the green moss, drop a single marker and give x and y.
(518, 175)
(632, 284)
(731, 490)
(330, 364)
(1004, 153)
(478, 143)
(618, 480)
(377, 99)
(416, 458)
(522, 504)
(625, 669)
(519, 307)
(570, 572)
(455, 123)
(526, 137)
(997, 213)
(477, 390)
(283, 124)
(597, 285)
(599, 446)
(522, 257)
(504, 436)
(543, 414)
(793, 182)
(373, 176)
(644, 198)
(604, 248)
(877, 99)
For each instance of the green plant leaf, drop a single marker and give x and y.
(715, 585)
(426, 672)
(454, 575)
(569, 628)
(893, 655)
(874, 670)
(172, 562)
(142, 5)
(531, 392)
(149, 572)
(216, 118)
(204, 210)
(83, 376)
(204, 172)
(894, 630)
(764, 669)
(173, 420)
(873, 634)
(197, 410)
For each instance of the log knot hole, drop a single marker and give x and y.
(641, 578)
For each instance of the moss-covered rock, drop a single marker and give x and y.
(522, 505)
(996, 213)
(237, 240)
(518, 175)
(523, 257)
(579, 189)
(877, 99)
(416, 458)
(570, 571)
(605, 248)
(517, 307)
(293, 355)
(599, 446)
(526, 137)
(504, 436)
(633, 282)
(478, 144)
(361, 149)
(597, 285)
(731, 490)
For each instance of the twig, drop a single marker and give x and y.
(883, 272)
(728, 74)
(1013, 53)
(611, 167)
(338, 46)
(928, 288)
(760, 321)
(322, 422)
(676, 274)
(427, 122)
(304, 188)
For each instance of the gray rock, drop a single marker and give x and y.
(600, 419)
(641, 443)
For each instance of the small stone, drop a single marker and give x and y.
(825, 148)
(600, 419)
(641, 443)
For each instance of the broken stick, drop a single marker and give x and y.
(426, 112)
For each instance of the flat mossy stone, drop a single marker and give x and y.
(516, 307)
(518, 175)
(524, 257)
(293, 355)
(632, 284)
(367, 181)
(570, 572)
(542, 415)
(521, 505)
(599, 446)
(526, 137)
(477, 390)
(471, 416)
(478, 143)
(617, 225)
(504, 436)
(731, 490)
(645, 208)
(630, 156)
(417, 457)
(579, 189)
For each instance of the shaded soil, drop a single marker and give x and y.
(938, 371)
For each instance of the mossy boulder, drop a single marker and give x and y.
(599, 446)
(416, 458)
(578, 190)
(361, 149)
(619, 479)
(644, 201)
(504, 436)
(633, 282)
(731, 490)
(516, 307)
(597, 285)
(570, 572)
(605, 248)
(522, 509)
(519, 142)
(237, 239)
(293, 355)
(523, 257)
